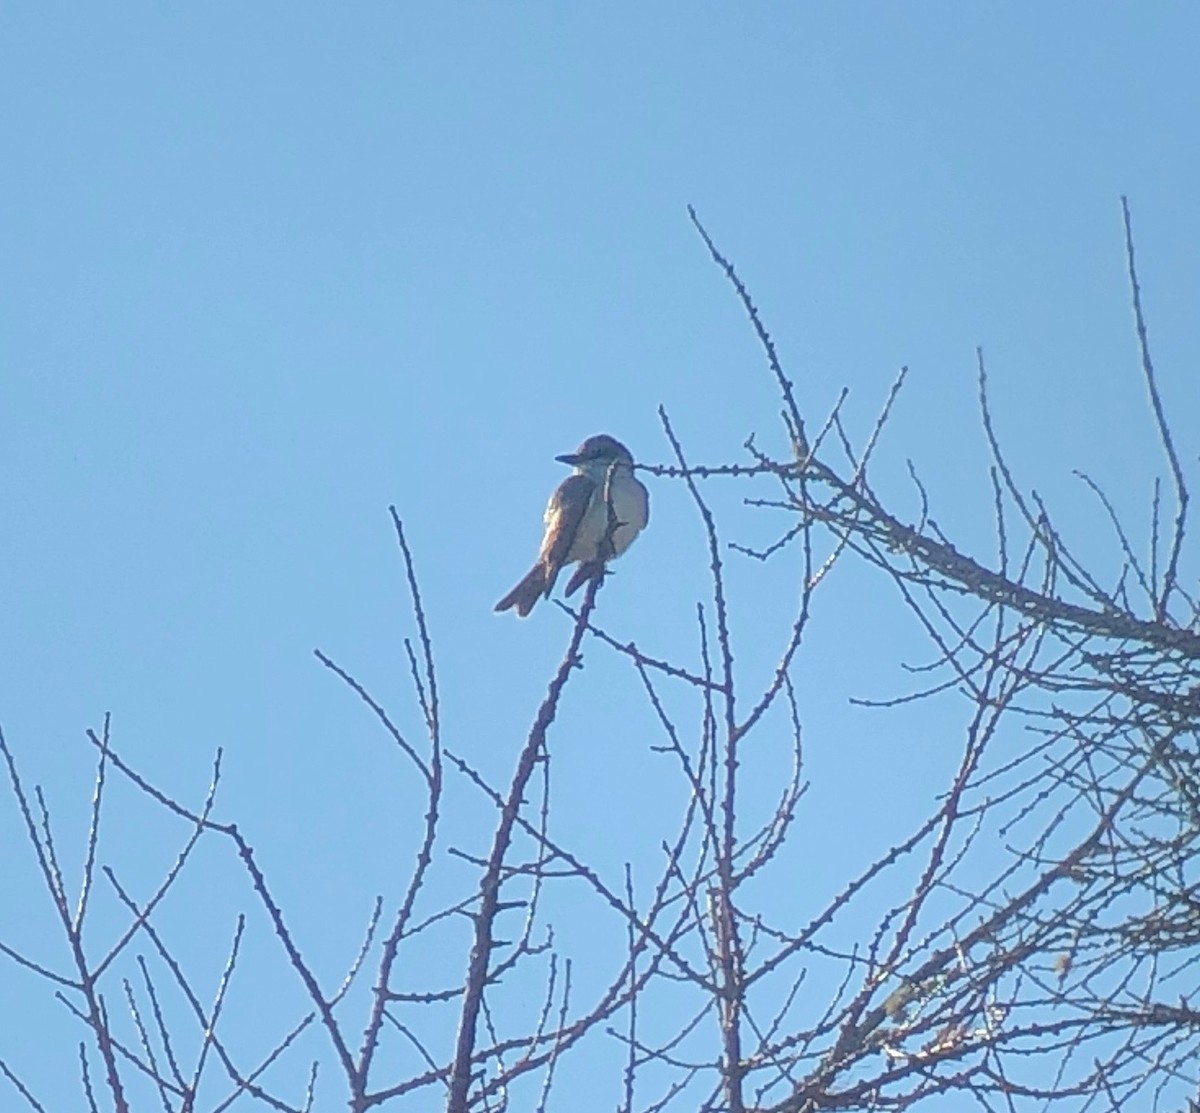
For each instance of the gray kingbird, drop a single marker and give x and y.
(579, 524)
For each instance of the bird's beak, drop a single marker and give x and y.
(569, 458)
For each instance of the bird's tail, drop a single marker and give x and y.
(528, 591)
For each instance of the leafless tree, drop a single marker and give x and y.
(1032, 942)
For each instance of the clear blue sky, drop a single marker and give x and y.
(268, 268)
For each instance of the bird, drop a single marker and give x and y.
(591, 518)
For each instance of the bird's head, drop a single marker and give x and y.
(598, 453)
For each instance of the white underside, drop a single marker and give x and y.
(630, 508)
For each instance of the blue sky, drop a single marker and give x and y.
(270, 268)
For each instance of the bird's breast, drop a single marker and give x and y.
(630, 507)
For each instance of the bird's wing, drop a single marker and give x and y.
(564, 513)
